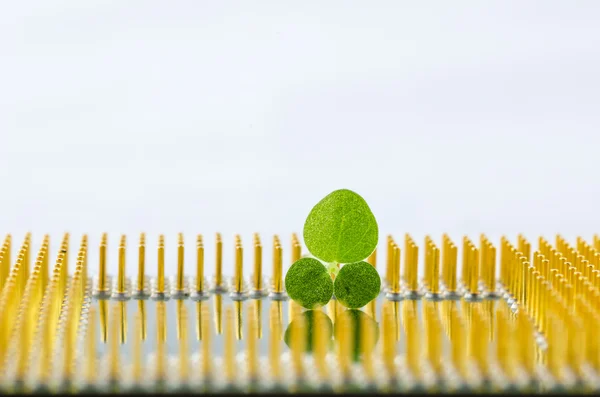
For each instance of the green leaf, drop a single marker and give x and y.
(308, 283)
(356, 284)
(341, 228)
(311, 318)
(358, 320)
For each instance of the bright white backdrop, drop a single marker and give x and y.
(203, 116)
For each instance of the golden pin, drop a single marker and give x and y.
(372, 306)
(252, 342)
(238, 292)
(161, 337)
(139, 336)
(389, 339)
(434, 280)
(298, 346)
(206, 367)
(218, 279)
(184, 362)
(367, 343)
(229, 347)
(413, 339)
(389, 270)
(257, 277)
(121, 292)
(345, 343)
(274, 341)
(114, 369)
(320, 346)
(199, 293)
(160, 279)
(180, 287)
(90, 348)
(411, 266)
(141, 277)
(218, 314)
(277, 292)
(103, 288)
(473, 265)
(394, 293)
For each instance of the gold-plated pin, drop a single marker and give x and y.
(219, 287)
(239, 319)
(504, 343)
(141, 313)
(90, 348)
(184, 362)
(298, 346)
(206, 364)
(411, 270)
(389, 338)
(199, 293)
(320, 346)
(138, 337)
(160, 279)
(433, 336)
(122, 323)
(434, 276)
(257, 277)
(114, 369)
(103, 312)
(161, 338)
(413, 341)
(238, 280)
(345, 341)
(389, 269)
(473, 266)
(274, 341)
(103, 287)
(394, 292)
(180, 284)
(449, 258)
(427, 261)
(296, 248)
(121, 275)
(229, 347)
(366, 344)
(141, 278)
(252, 342)
(5, 260)
(372, 306)
(218, 314)
(277, 287)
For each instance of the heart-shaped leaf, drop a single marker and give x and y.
(341, 228)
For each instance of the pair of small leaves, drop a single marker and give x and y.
(340, 229)
(309, 284)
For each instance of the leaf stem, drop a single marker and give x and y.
(333, 269)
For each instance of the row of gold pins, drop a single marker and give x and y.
(19, 308)
(431, 332)
(440, 281)
(10, 297)
(298, 339)
(199, 291)
(561, 302)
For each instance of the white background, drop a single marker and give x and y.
(205, 116)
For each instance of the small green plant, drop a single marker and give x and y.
(340, 231)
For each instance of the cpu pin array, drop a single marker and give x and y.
(531, 328)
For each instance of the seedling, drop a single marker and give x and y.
(340, 231)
